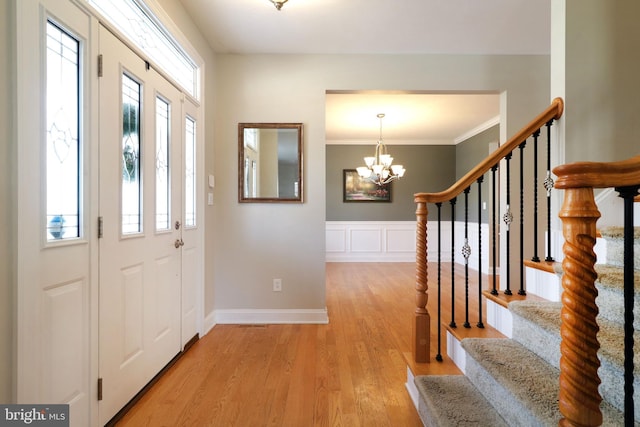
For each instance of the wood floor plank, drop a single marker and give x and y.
(348, 373)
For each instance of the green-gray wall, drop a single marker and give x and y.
(602, 88)
(429, 168)
(7, 198)
(468, 154)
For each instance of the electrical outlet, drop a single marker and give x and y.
(277, 285)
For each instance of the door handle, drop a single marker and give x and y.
(178, 243)
(177, 225)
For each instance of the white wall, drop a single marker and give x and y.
(255, 243)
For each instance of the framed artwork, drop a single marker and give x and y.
(357, 189)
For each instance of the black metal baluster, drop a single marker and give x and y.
(439, 205)
(480, 324)
(508, 218)
(548, 184)
(453, 264)
(466, 252)
(535, 257)
(521, 291)
(628, 193)
(494, 226)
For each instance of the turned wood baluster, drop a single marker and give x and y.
(579, 399)
(422, 323)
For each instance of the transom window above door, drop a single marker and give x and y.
(136, 21)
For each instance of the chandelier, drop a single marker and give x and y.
(278, 3)
(379, 168)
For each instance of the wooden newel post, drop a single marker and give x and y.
(579, 399)
(422, 321)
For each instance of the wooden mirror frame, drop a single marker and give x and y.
(241, 163)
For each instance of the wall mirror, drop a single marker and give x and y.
(270, 162)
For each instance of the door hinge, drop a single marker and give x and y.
(99, 388)
(100, 227)
(100, 65)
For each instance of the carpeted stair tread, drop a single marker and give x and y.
(537, 327)
(546, 316)
(614, 237)
(520, 385)
(452, 400)
(617, 232)
(612, 276)
(610, 298)
(609, 275)
(610, 286)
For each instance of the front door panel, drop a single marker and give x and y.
(140, 201)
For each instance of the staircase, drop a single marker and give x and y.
(515, 381)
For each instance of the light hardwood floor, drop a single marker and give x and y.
(351, 372)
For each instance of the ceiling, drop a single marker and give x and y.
(414, 118)
(384, 27)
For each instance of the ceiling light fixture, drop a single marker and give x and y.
(278, 3)
(379, 169)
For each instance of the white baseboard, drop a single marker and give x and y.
(456, 352)
(411, 388)
(557, 241)
(267, 316)
(209, 322)
(500, 318)
(543, 284)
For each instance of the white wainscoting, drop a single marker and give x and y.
(368, 241)
(395, 241)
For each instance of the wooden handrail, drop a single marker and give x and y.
(553, 111)
(598, 175)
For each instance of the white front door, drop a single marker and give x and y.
(141, 177)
